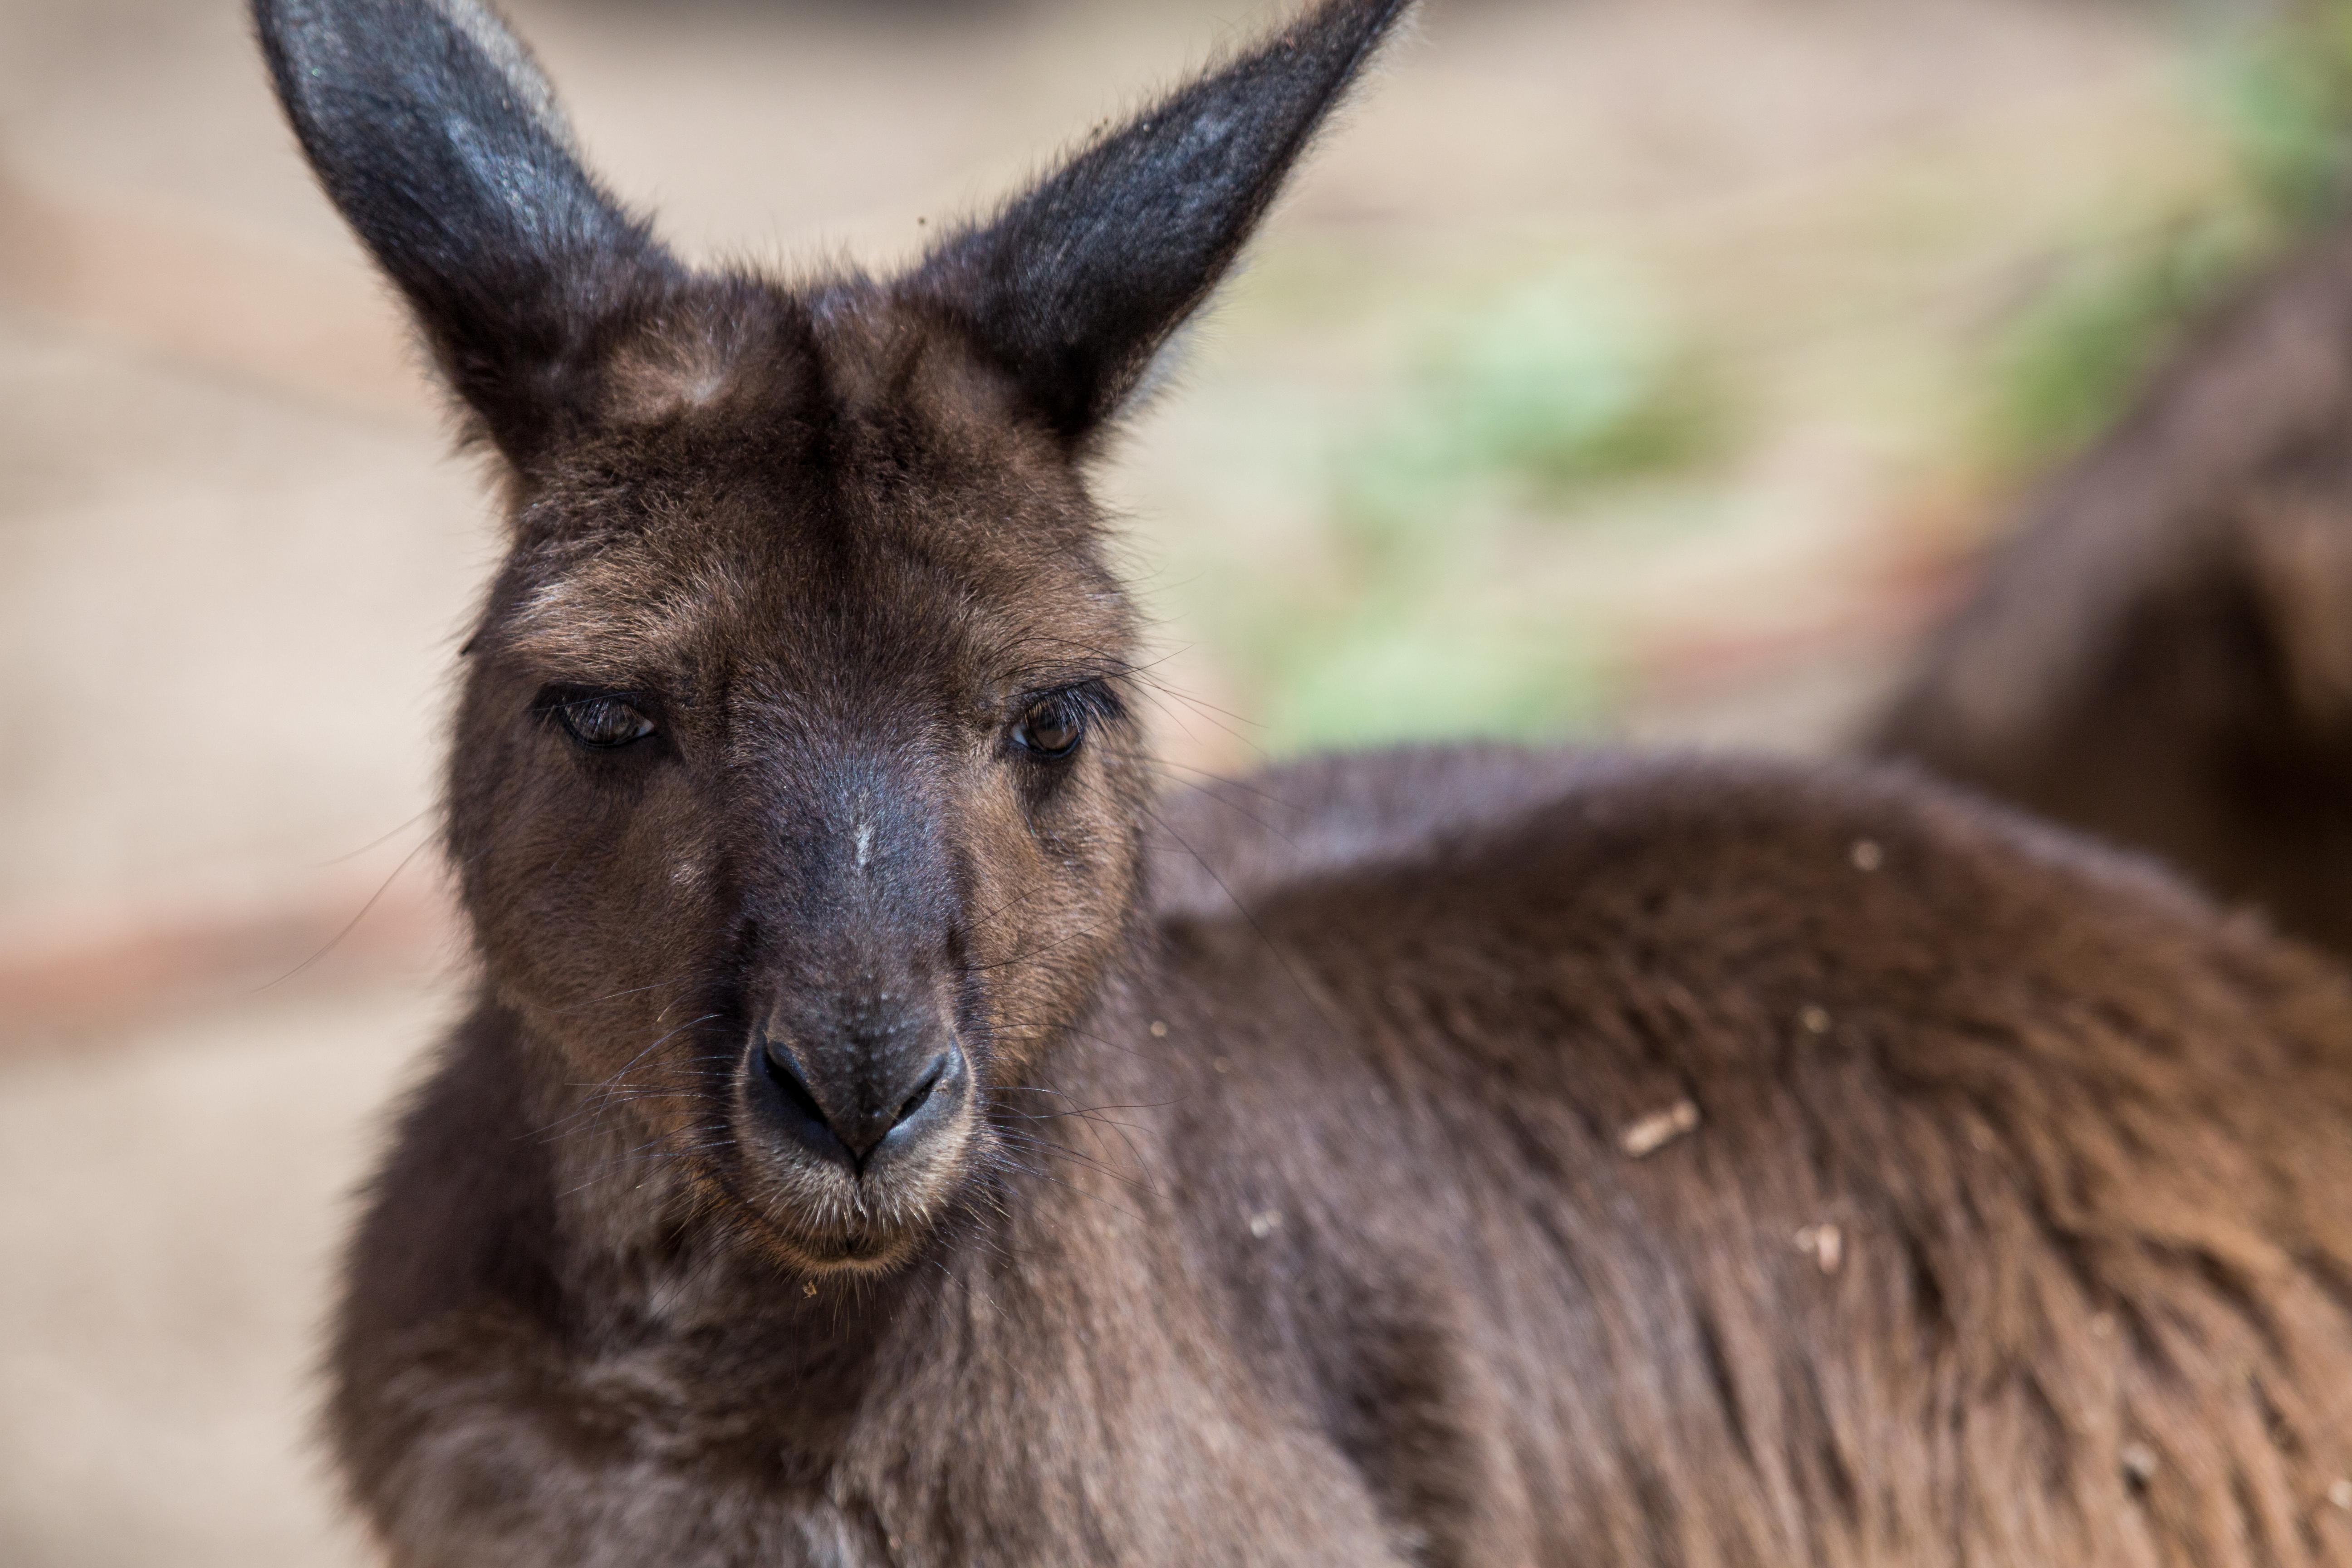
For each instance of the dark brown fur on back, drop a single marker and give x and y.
(887, 1133)
(1365, 1273)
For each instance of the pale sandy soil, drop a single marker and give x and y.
(235, 549)
(171, 1206)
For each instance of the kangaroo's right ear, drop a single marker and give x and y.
(440, 138)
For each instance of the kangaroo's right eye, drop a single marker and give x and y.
(603, 724)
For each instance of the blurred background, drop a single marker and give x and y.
(1653, 370)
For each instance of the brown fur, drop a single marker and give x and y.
(1289, 1214)
(2164, 654)
(1364, 1275)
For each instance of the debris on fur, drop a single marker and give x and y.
(1824, 1244)
(1816, 1020)
(1660, 1128)
(1867, 855)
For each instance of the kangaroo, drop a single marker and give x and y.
(886, 1132)
(2164, 654)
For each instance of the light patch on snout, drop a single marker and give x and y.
(864, 844)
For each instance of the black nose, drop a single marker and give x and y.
(852, 1118)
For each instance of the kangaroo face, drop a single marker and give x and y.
(795, 793)
(797, 786)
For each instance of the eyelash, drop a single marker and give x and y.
(1084, 706)
(574, 710)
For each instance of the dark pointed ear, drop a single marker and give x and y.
(1075, 286)
(437, 134)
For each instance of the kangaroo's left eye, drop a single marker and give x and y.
(1051, 729)
(604, 723)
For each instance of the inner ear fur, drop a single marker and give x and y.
(442, 142)
(1074, 287)
(546, 304)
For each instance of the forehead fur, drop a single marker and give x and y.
(805, 469)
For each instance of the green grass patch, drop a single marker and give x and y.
(1518, 415)
(2072, 359)
(2070, 363)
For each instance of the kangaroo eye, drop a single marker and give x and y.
(604, 723)
(1051, 729)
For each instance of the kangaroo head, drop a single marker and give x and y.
(795, 787)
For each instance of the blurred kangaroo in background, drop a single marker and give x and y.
(886, 1134)
(2164, 653)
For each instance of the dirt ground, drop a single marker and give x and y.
(235, 549)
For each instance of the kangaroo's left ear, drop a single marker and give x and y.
(1075, 285)
(437, 134)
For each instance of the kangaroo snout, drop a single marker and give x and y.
(860, 1111)
(864, 1097)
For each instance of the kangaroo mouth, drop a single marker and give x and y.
(822, 1202)
(856, 1248)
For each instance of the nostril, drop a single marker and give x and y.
(917, 1100)
(785, 1074)
(848, 1120)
